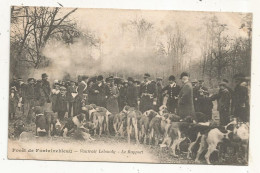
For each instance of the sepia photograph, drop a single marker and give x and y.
(118, 85)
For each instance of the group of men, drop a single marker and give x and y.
(68, 97)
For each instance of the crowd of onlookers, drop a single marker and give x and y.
(66, 98)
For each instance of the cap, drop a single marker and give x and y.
(63, 88)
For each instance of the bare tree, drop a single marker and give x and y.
(32, 27)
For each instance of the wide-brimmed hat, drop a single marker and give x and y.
(172, 78)
(100, 78)
(29, 79)
(223, 84)
(147, 75)
(44, 75)
(130, 79)
(184, 74)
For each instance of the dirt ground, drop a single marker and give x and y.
(151, 154)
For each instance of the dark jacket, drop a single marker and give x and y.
(131, 95)
(46, 89)
(101, 95)
(223, 98)
(149, 88)
(172, 91)
(61, 103)
(30, 92)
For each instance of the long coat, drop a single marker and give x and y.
(101, 95)
(240, 103)
(173, 92)
(131, 95)
(112, 94)
(185, 102)
(46, 91)
(13, 101)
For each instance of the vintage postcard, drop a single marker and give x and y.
(129, 85)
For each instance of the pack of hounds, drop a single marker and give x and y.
(161, 128)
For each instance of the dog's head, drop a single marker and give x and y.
(81, 117)
(19, 127)
(163, 109)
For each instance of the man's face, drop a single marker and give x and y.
(45, 78)
(130, 82)
(184, 79)
(171, 81)
(146, 79)
(221, 87)
(31, 82)
(73, 84)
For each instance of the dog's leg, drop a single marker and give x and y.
(201, 148)
(175, 142)
(107, 125)
(65, 132)
(151, 136)
(211, 148)
(136, 130)
(128, 130)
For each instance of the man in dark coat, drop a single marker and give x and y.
(131, 93)
(46, 89)
(122, 87)
(185, 102)
(62, 103)
(240, 99)
(112, 94)
(82, 91)
(71, 94)
(172, 91)
(148, 94)
(99, 91)
(29, 99)
(90, 91)
(223, 99)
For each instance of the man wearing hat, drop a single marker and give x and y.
(62, 102)
(112, 94)
(159, 86)
(240, 99)
(185, 102)
(99, 91)
(71, 94)
(172, 90)
(13, 101)
(196, 93)
(82, 91)
(90, 91)
(223, 98)
(29, 99)
(122, 87)
(148, 94)
(200, 94)
(46, 89)
(131, 93)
